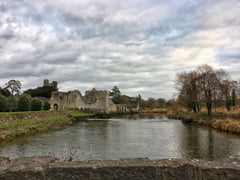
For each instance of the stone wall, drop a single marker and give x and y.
(93, 102)
(47, 83)
(35, 168)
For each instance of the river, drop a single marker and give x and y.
(153, 137)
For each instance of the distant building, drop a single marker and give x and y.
(94, 101)
(53, 84)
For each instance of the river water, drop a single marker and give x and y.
(153, 137)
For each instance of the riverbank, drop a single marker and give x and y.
(225, 121)
(17, 124)
(139, 168)
(154, 111)
(222, 120)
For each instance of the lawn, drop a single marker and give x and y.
(75, 113)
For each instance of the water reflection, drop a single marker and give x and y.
(206, 143)
(135, 136)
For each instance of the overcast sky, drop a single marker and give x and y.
(138, 45)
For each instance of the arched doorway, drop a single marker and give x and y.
(55, 107)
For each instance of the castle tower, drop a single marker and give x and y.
(46, 82)
(52, 84)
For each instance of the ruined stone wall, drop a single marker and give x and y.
(65, 100)
(47, 83)
(93, 102)
(111, 106)
(135, 169)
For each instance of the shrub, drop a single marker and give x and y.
(12, 104)
(36, 105)
(44, 91)
(46, 106)
(3, 103)
(5, 92)
(24, 104)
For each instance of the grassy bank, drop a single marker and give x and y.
(21, 112)
(20, 127)
(221, 119)
(16, 128)
(154, 111)
(76, 113)
(225, 121)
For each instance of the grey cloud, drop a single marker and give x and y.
(6, 36)
(137, 45)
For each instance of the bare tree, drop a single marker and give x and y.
(204, 85)
(187, 86)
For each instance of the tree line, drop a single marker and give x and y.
(9, 102)
(207, 87)
(118, 98)
(156, 103)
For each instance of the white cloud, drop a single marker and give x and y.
(138, 45)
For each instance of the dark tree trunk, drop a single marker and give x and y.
(209, 108)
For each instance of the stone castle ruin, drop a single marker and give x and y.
(93, 102)
(53, 84)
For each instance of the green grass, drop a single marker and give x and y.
(75, 113)
(19, 112)
(72, 112)
(15, 128)
(202, 116)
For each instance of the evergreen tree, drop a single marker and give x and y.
(36, 105)
(46, 106)
(3, 103)
(115, 92)
(12, 104)
(5, 92)
(44, 91)
(24, 104)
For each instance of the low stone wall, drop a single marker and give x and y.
(29, 115)
(51, 168)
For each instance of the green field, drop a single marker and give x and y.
(19, 127)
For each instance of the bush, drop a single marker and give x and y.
(12, 104)
(24, 104)
(5, 92)
(36, 105)
(122, 99)
(3, 103)
(44, 91)
(46, 106)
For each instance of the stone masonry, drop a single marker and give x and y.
(94, 101)
(37, 168)
(53, 84)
